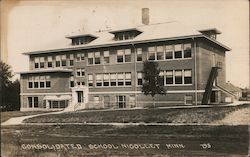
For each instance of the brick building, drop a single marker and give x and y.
(104, 69)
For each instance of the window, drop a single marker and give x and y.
(169, 77)
(41, 62)
(30, 102)
(151, 53)
(71, 82)
(188, 100)
(178, 51)
(113, 79)
(159, 53)
(128, 79)
(91, 58)
(120, 79)
(80, 57)
(80, 72)
(161, 74)
(99, 80)
(169, 52)
(125, 35)
(42, 81)
(106, 80)
(47, 80)
(30, 82)
(106, 57)
(96, 99)
(90, 80)
(36, 62)
(64, 60)
(187, 51)
(119, 56)
(187, 77)
(35, 101)
(127, 55)
(123, 55)
(50, 63)
(71, 59)
(58, 62)
(121, 101)
(139, 54)
(178, 76)
(36, 82)
(97, 58)
(139, 78)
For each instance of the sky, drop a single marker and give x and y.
(28, 25)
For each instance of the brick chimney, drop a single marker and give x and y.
(145, 16)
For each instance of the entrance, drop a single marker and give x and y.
(121, 101)
(80, 98)
(212, 97)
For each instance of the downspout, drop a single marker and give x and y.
(135, 77)
(195, 71)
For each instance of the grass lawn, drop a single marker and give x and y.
(230, 141)
(10, 114)
(184, 115)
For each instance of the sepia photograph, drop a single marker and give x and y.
(125, 78)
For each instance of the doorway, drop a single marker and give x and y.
(80, 98)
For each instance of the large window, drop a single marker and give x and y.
(106, 57)
(33, 102)
(90, 80)
(159, 53)
(94, 58)
(128, 79)
(99, 79)
(178, 76)
(106, 80)
(120, 79)
(58, 61)
(187, 77)
(177, 51)
(50, 62)
(42, 62)
(187, 51)
(151, 53)
(169, 52)
(64, 61)
(39, 62)
(139, 78)
(169, 77)
(139, 54)
(39, 82)
(123, 55)
(113, 79)
(80, 57)
(80, 72)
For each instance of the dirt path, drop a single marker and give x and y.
(241, 116)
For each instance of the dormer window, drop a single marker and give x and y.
(81, 39)
(125, 34)
(211, 33)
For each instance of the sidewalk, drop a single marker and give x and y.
(19, 120)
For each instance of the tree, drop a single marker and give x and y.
(152, 80)
(9, 91)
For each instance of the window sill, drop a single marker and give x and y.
(178, 85)
(112, 86)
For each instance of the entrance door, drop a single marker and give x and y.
(212, 97)
(80, 98)
(121, 101)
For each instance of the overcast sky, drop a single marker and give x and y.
(32, 25)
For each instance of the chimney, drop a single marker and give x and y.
(145, 16)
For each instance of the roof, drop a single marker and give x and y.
(150, 33)
(213, 30)
(46, 71)
(230, 87)
(80, 35)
